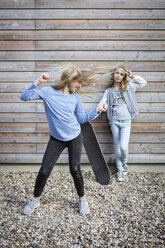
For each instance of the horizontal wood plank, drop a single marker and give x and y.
(41, 117)
(37, 158)
(106, 148)
(18, 66)
(103, 127)
(39, 107)
(81, 14)
(19, 76)
(82, 35)
(31, 76)
(82, 24)
(94, 97)
(133, 65)
(100, 4)
(18, 86)
(102, 137)
(83, 55)
(6, 127)
(82, 45)
(17, 45)
(18, 148)
(17, 4)
(143, 107)
(100, 24)
(17, 24)
(100, 45)
(82, 4)
(19, 107)
(100, 127)
(40, 66)
(141, 97)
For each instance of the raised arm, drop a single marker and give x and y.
(33, 92)
(136, 81)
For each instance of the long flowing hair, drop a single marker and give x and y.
(101, 75)
(124, 84)
(105, 74)
(63, 75)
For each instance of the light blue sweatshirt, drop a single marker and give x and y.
(64, 112)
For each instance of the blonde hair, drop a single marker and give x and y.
(105, 74)
(63, 75)
(124, 84)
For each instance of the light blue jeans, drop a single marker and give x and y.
(121, 134)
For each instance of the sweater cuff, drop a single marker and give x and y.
(97, 113)
(36, 86)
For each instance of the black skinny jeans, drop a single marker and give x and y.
(52, 153)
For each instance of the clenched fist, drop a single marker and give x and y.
(42, 79)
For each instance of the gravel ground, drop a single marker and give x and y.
(125, 214)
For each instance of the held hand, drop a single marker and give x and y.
(42, 79)
(103, 107)
(128, 73)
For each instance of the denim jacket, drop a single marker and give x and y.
(136, 83)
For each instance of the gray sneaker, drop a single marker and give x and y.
(119, 176)
(125, 169)
(83, 207)
(29, 208)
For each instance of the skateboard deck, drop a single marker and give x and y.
(95, 155)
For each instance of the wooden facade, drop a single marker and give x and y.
(37, 35)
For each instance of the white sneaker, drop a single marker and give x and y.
(29, 208)
(83, 207)
(119, 176)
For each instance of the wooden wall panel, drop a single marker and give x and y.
(82, 24)
(94, 97)
(38, 35)
(39, 66)
(74, 45)
(71, 14)
(107, 148)
(32, 158)
(102, 137)
(41, 117)
(82, 4)
(136, 66)
(9, 86)
(82, 34)
(83, 55)
(100, 127)
(100, 4)
(39, 107)
(156, 77)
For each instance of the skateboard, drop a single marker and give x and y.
(95, 155)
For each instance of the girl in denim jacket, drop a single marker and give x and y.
(122, 108)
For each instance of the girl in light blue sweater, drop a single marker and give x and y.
(64, 111)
